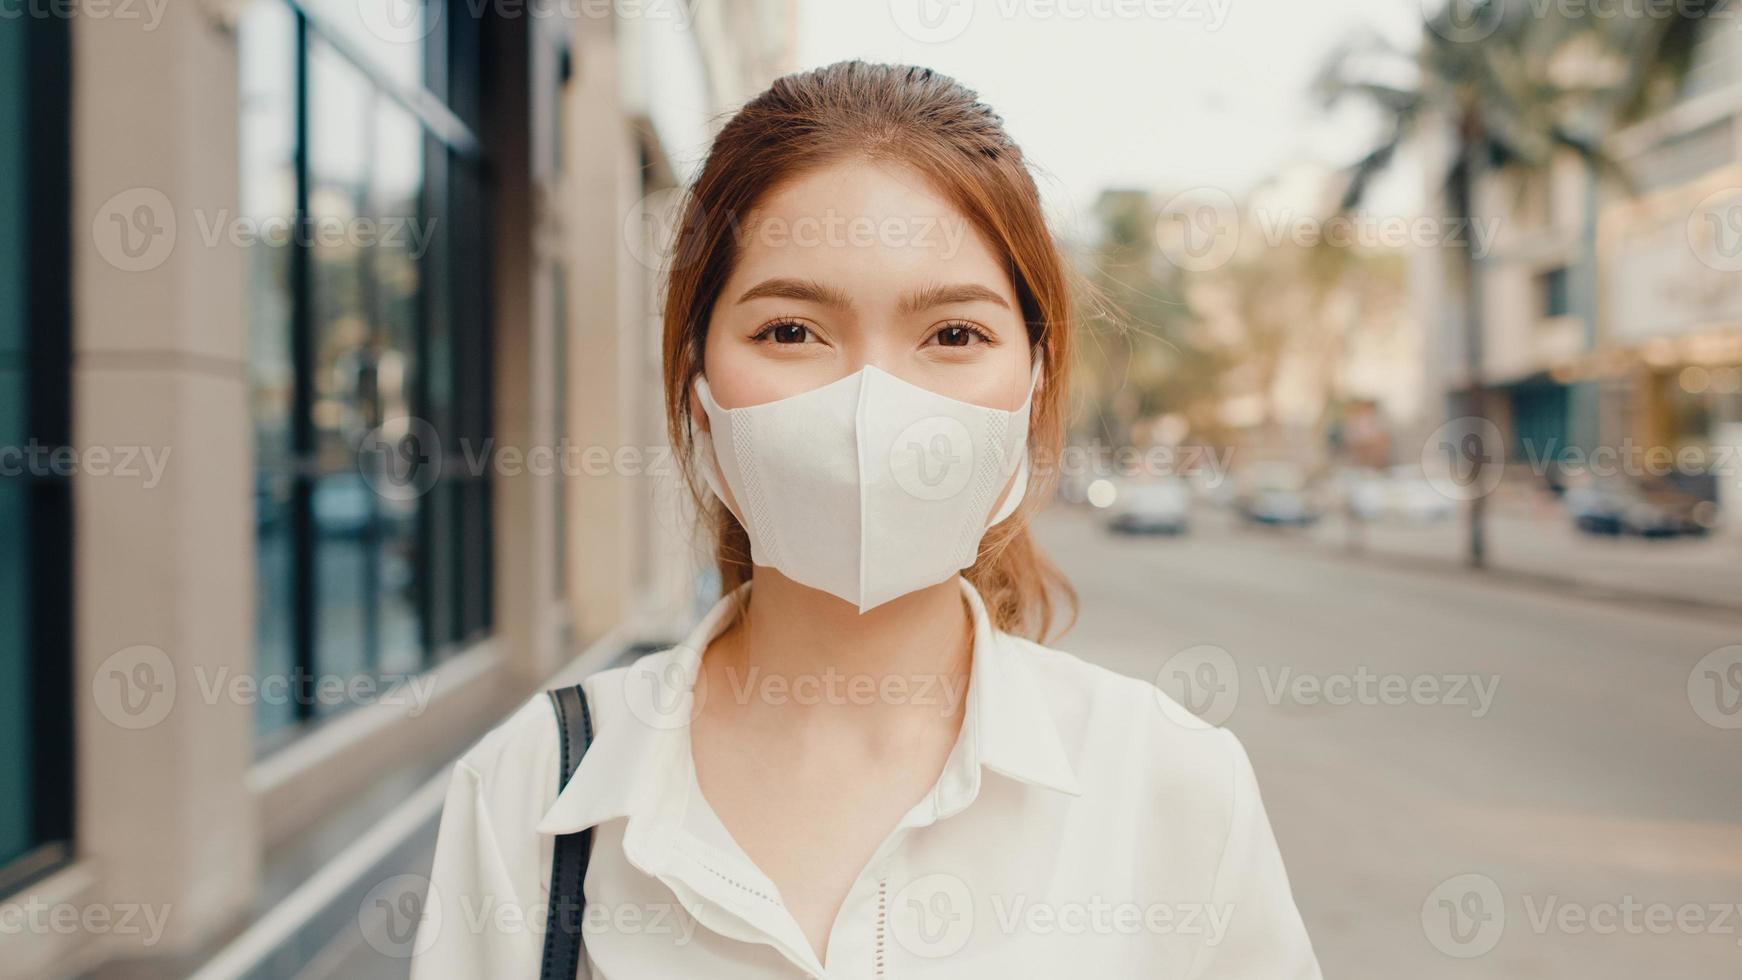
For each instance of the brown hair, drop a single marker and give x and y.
(852, 109)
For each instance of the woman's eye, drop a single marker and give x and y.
(784, 332)
(958, 335)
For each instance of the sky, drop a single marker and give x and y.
(1165, 95)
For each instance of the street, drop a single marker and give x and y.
(1545, 801)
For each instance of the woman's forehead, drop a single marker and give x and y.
(860, 226)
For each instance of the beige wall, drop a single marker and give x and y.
(164, 815)
(174, 809)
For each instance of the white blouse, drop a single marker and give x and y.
(1083, 825)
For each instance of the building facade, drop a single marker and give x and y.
(316, 321)
(1611, 312)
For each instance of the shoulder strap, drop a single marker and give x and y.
(568, 866)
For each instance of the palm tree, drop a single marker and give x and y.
(1513, 90)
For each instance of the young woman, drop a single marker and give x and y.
(859, 764)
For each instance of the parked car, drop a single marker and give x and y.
(1649, 508)
(1276, 494)
(1159, 506)
(1400, 493)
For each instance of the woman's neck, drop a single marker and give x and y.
(808, 653)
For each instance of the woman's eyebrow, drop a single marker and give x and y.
(943, 295)
(924, 298)
(806, 290)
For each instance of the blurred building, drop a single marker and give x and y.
(331, 412)
(1613, 313)
(1670, 324)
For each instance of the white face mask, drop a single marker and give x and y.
(869, 487)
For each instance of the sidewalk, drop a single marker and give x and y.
(1537, 538)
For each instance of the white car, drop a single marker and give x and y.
(1161, 506)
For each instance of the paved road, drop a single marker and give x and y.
(1536, 537)
(1560, 832)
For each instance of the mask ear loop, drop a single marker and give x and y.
(1019, 488)
(704, 458)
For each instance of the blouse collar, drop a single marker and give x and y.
(637, 765)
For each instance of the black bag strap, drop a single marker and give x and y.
(568, 867)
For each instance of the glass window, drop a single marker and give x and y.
(389, 35)
(1552, 287)
(35, 511)
(267, 38)
(371, 355)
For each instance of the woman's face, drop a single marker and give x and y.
(857, 264)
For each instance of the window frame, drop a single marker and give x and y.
(48, 422)
(453, 526)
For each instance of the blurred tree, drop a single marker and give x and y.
(1144, 358)
(1513, 84)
